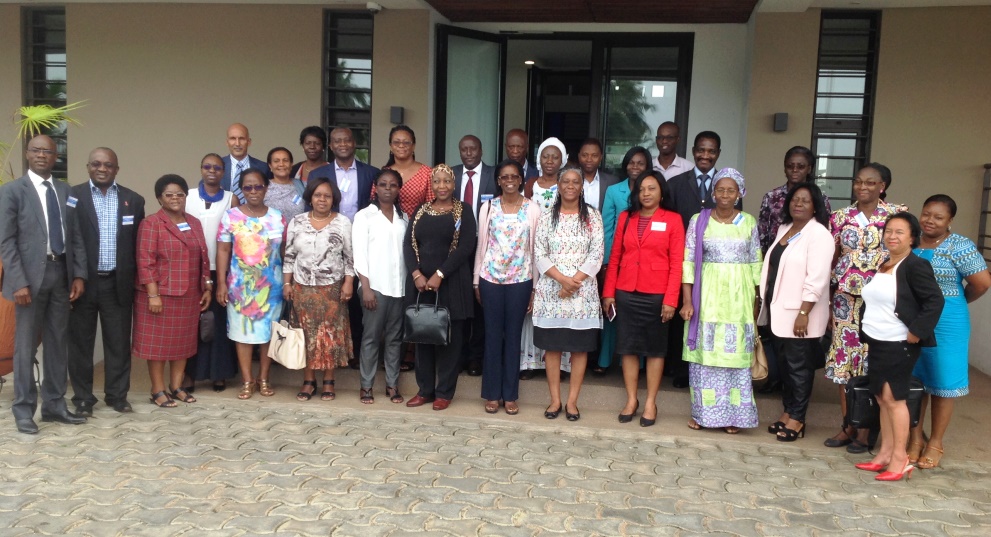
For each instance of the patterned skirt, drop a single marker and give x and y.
(847, 355)
(172, 334)
(325, 323)
(722, 396)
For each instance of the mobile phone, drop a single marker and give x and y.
(611, 314)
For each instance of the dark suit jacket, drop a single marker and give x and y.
(486, 183)
(163, 254)
(24, 237)
(606, 180)
(225, 182)
(531, 171)
(919, 300)
(366, 179)
(129, 203)
(683, 196)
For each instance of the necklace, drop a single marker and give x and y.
(319, 220)
(938, 242)
(251, 213)
(720, 220)
(515, 207)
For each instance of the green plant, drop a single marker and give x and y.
(31, 121)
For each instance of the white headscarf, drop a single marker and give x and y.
(552, 142)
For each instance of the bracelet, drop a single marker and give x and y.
(419, 276)
(154, 296)
(285, 284)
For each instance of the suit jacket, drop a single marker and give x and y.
(530, 172)
(164, 257)
(650, 264)
(803, 276)
(366, 179)
(683, 196)
(918, 301)
(24, 237)
(616, 201)
(225, 182)
(129, 203)
(486, 183)
(606, 180)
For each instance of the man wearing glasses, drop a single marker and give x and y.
(108, 216)
(44, 266)
(668, 162)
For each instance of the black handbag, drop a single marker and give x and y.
(861, 406)
(207, 325)
(427, 324)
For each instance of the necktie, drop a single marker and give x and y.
(236, 181)
(470, 190)
(55, 240)
(703, 189)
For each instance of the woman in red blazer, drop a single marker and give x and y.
(173, 287)
(642, 285)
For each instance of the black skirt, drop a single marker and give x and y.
(639, 330)
(891, 362)
(566, 339)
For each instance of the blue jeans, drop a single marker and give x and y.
(505, 307)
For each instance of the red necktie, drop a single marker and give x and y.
(470, 190)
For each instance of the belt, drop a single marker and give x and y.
(106, 274)
(55, 257)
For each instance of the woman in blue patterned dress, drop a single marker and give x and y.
(943, 369)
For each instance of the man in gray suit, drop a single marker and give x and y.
(44, 265)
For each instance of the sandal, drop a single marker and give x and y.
(790, 435)
(392, 392)
(914, 454)
(928, 463)
(265, 388)
(182, 394)
(304, 395)
(775, 427)
(845, 430)
(407, 366)
(247, 389)
(732, 430)
(512, 408)
(167, 403)
(694, 425)
(328, 395)
(491, 407)
(366, 396)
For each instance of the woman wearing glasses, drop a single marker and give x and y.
(416, 175)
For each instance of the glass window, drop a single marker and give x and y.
(44, 71)
(348, 75)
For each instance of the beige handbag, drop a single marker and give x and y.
(758, 367)
(288, 345)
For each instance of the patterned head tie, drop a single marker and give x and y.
(734, 175)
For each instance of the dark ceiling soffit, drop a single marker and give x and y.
(621, 11)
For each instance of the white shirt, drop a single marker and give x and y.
(476, 183)
(591, 190)
(39, 185)
(880, 320)
(347, 183)
(209, 218)
(678, 166)
(377, 246)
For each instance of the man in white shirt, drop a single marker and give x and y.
(238, 142)
(596, 180)
(668, 162)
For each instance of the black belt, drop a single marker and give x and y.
(106, 274)
(55, 257)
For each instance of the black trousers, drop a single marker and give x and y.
(797, 360)
(437, 365)
(673, 364)
(100, 300)
(474, 338)
(354, 317)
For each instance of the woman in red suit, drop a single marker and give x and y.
(173, 287)
(642, 285)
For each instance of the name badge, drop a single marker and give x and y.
(658, 226)
(129, 220)
(183, 226)
(862, 220)
(296, 199)
(485, 197)
(274, 236)
(738, 220)
(511, 217)
(795, 236)
(71, 202)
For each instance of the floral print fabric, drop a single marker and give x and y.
(506, 257)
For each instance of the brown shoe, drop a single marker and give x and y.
(419, 400)
(441, 404)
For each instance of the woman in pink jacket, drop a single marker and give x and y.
(794, 289)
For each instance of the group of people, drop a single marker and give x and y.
(538, 266)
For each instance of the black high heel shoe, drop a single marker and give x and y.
(775, 427)
(627, 418)
(644, 422)
(790, 435)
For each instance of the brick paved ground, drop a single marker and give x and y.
(223, 467)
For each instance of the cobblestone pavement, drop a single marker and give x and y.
(249, 468)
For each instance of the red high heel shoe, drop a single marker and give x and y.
(870, 466)
(892, 476)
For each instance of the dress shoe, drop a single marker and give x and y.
(419, 400)
(27, 426)
(680, 382)
(895, 476)
(527, 374)
(354, 363)
(63, 416)
(123, 406)
(84, 410)
(870, 466)
(627, 418)
(474, 368)
(441, 404)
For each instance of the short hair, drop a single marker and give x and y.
(669, 124)
(399, 178)
(943, 198)
(314, 183)
(519, 171)
(404, 128)
(629, 156)
(591, 141)
(258, 172)
(170, 179)
(316, 132)
(805, 152)
(634, 201)
(276, 150)
(913, 225)
(818, 204)
(708, 135)
(208, 155)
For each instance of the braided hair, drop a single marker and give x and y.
(583, 212)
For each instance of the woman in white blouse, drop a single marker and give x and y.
(377, 238)
(319, 280)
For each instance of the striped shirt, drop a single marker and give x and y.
(106, 214)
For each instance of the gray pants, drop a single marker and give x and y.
(383, 329)
(48, 314)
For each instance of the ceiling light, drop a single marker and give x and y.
(529, 62)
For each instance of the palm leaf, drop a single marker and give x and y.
(35, 119)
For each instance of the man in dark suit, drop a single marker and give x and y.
(44, 266)
(238, 142)
(517, 146)
(474, 184)
(354, 179)
(108, 216)
(596, 180)
(688, 194)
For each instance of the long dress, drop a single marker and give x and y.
(254, 279)
(943, 368)
(719, 366)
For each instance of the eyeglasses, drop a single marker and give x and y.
(322, 196)
(402, 143)
(39, 151)
(510, 177)
(252, 188)
(174, 195)
(212, 168)
(869, 184)
(97, 165)
(722, 191)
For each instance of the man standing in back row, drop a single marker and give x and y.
(238, 142)
(668, 162)
(517, 145)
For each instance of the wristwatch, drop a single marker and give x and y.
(441, 274)
(209, 282)
(803, 312)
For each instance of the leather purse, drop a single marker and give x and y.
(863, 411)
(207, 326)
(758, 365)
(427, 324)
(288, 345)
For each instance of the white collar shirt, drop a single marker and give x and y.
(476, 184)
(377, 247)
(591, 190)
(679, 166)
(39, 186)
